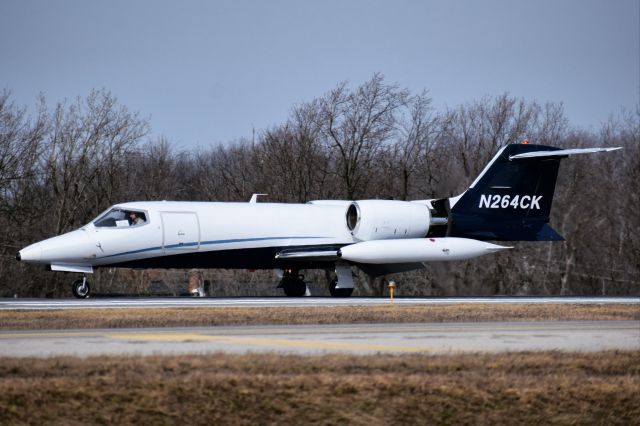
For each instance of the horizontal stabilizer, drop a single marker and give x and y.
(561, 152)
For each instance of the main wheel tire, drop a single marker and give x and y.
(339, 292)
(294, 287)
(79, 290)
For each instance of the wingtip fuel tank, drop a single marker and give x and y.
(417, 250)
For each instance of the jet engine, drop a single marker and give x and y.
(387, 219)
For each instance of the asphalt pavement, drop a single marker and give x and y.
(200, 302)
(432, 338)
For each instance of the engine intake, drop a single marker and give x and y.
(387, 219)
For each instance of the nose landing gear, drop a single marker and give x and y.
(80, 288)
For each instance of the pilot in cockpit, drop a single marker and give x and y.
(135, 219)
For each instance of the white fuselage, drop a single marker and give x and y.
(194, 228)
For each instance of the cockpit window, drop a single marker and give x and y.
(117, 218)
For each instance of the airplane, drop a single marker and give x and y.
(510, 200)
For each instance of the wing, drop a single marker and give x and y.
(311, 254)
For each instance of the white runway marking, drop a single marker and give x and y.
(196, 302)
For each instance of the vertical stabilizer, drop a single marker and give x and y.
(511, 199)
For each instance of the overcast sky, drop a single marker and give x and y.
(210, 71)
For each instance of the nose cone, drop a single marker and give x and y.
(32, 253)
(72, 247)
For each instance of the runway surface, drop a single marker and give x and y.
(318, 339)
(200, 302)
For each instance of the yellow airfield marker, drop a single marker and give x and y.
(392, 286)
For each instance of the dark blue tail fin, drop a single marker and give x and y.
(511, 199)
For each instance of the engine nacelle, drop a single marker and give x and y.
(386, 219)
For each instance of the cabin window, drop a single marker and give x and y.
(120, 218)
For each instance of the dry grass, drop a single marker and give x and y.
(169, 317)
(523, 388)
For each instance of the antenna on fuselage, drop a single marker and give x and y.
(254, 198)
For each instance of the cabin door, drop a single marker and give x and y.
(180, 231)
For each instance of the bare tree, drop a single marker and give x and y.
(294, 163)
(356, 125)
(86, 138)
(155, 172)
(415, 143)
(21, 144)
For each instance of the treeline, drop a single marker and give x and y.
(61, 165)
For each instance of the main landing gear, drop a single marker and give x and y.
(339, 292)
(342, 284)
(293, 283)
(80, 288)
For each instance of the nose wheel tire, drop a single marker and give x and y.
(80, 288)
